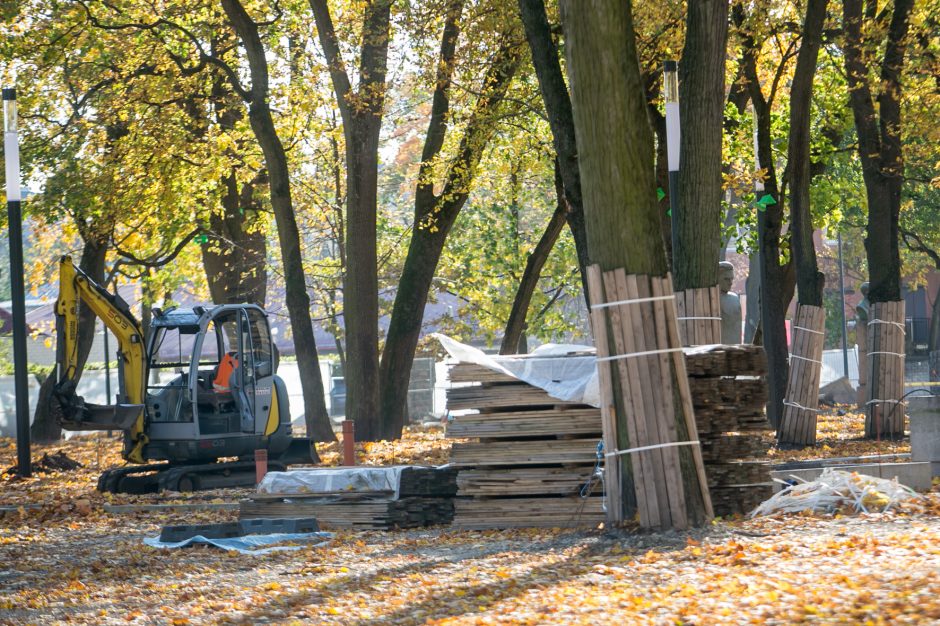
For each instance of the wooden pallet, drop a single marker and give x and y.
(372, 511)
(570, 512)
(523, 481)
(494, 396)
(533, 423)
(537, 452)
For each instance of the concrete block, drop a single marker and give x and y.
(924, 413)
(917, 476)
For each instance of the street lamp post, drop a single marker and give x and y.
(17, 288)
(671, 91)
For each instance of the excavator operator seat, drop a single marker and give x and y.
(228, 364)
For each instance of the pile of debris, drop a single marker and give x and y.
(357, 497)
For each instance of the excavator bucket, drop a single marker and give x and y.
(105, 417)
(73, 413)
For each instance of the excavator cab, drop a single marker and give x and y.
(212, 384)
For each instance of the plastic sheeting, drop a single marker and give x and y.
(325, 480)
(565, 371)
(837, 490)
(247, 544)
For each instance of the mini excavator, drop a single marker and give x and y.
(201, 388)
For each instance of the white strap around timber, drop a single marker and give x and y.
(603, 305)
(898, 324)
(803, 358)
(876, 401)
(653, 447)
(681, 319)
(900, 354)
(809, 330)
(796, 405)
(636, 354)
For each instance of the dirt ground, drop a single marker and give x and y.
(63, 559)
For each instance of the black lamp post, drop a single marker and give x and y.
(11, 150)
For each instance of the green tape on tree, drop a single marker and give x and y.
(660, 194)
(766, 201)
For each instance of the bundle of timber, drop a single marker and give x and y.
(798, 425)
(532, 457)
(884, 416)
(358, 497)
(699, 316)
(730, 394)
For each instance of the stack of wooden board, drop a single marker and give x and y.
(531, 458)
(730, 396)
(546, 452)
(424, 497)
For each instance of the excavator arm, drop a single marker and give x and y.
(73, 412)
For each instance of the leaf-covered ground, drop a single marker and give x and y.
(68, 561)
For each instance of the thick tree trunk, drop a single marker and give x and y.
(362, 122)
(45, 428)
(808, 277)
(615, 151)
(701, 106)
(773, 299)
(558, 107)
(434, 216)
(298, 301)
(798, 419)
(879, 144)
(514, 334)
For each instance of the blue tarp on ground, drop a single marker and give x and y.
(248, 544)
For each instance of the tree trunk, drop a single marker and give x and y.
(361, 126)
(434, 216)
(809, 279)
(558, 107)
(701, 106)
(933, 344)
(45, 428)
(514, 335)
(879, 144)
(798, 419)
(298, 301)
(773, 301)
(615, 151)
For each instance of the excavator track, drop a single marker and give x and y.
(138, 479)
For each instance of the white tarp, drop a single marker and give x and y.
(326, 480)
(565, 371)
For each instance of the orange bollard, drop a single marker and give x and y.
(349, 442)
(261, 464)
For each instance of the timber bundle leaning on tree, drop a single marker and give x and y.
(655, 464)
(699, 316)
(801, 403)
(885, 409)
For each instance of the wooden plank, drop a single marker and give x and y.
(688, 412)
(628, 377)
(612, 477)
(538, 452)
(664, 394)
